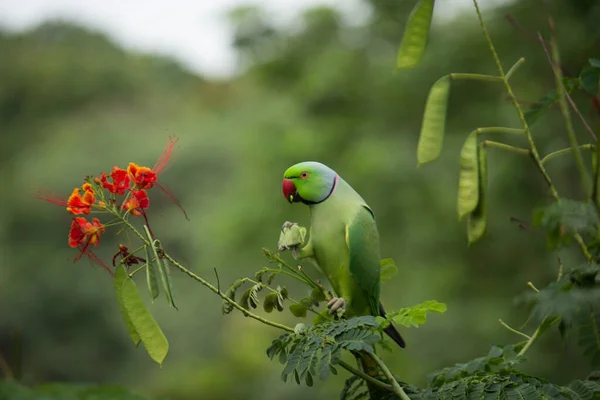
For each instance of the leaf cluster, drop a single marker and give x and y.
(412, 316)
(315, 350)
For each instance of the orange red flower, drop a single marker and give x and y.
(143, 177)
(84, 232)
(137, 203)
(120, 181)
(81, 204)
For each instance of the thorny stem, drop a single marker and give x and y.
(564, 151)
(534, 152)
(388, 374)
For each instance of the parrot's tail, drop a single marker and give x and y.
(391, 330)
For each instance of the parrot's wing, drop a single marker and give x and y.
(362, 239)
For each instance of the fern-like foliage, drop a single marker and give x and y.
(562, 220)
(498, 359)
(574, 300)
(315, 350)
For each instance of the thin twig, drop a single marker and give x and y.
(576, 109)
(513, 330)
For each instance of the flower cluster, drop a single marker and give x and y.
(121, 193)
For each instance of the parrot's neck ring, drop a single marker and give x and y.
(333, 186)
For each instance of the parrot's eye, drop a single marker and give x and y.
(304, 175)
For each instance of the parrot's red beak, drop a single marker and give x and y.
(289, 191)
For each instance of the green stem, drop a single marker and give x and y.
(281, 271)
(555, 63)
(515, 67)
(475, 77)
(135, 271)
(531, 285)
(275, 257)
(532, 339)
(499, 129)
(507, 147)
(298, 272)
(364, 376)
(534, 152)
(388, 374)
(513, 330)
(564, 151)
(225, 298)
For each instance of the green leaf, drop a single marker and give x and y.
(270, 302)
(314, 350)
(477, 219)
(298, 310)
(586, 390)
(226, 307)
(561, 220)
(151, 277)
(387, 269)
(590, 79)
(548, 323)
(588, 324)
(468, 180)
(321, 317)
(549, 99)
(165, 276)
(145, 325)
(594, 62)
(434, 119)
(120, 277)
(317, 295)
(417, 314)
(416, 33)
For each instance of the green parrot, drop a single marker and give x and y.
(343, 239)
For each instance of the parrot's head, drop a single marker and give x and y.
(309, 182)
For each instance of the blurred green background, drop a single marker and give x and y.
(74, 103)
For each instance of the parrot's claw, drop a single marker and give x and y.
(336, 304)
